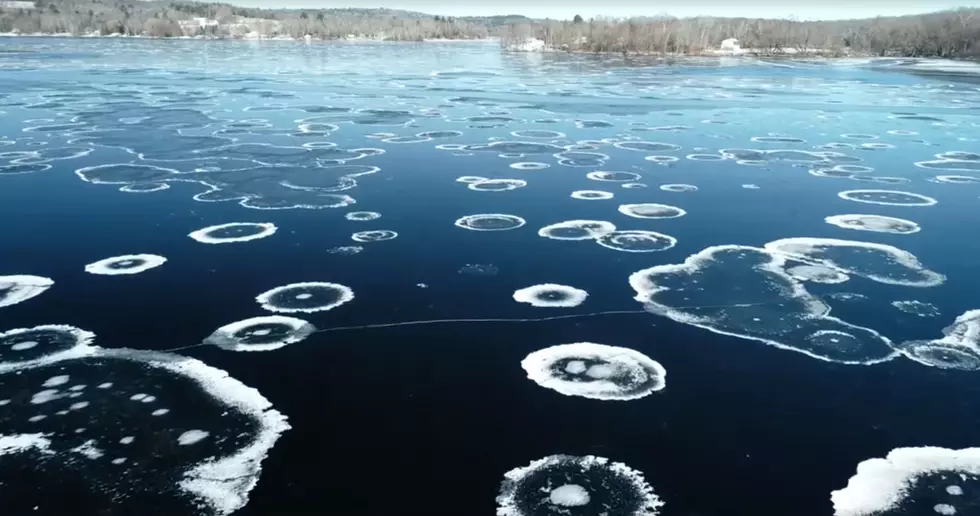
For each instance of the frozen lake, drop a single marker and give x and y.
(270, 278)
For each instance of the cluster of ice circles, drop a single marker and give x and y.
(233, 232)
(305, 297)
(886, 485)
(551, 295)
(562, 485)
(264, 333)
(490, 222)
(595, 371)
(125, 264)
(746, 292)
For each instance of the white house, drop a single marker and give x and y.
(731, 45)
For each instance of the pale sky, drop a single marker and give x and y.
(566, 9)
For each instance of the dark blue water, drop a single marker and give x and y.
(426, 419)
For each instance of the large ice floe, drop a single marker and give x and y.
(135, 429)
(752, 293)
(877, 262)
(595, 371)
(563, 485)
(21, 287)
(923, 480)
(958, 348)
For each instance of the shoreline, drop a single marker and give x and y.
(66, 35)
(822, 55)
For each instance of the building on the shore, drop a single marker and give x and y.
(195, 24)
(730, 45)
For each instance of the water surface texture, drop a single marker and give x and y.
(272, 278)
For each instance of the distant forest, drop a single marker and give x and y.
(947, 34)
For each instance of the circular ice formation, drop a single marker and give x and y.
(497, 185)
(144, 187)
(705, 157)
(877, 262)
(651, 211)
(917, 308)
(957, 180)
(887, 197)
(551, 295)
(362, 215)
(21, 287)
(643, 146)
(619, 177)
(662, 160)
(678, 188)
(875, 223)
(817, 274)
(595, 371)
(637, 241)
(24, 347)
(577, 230)
(541, 134)
(264, 333)
(883, 485)
(529, 165)
(470, 179)
(558, 485)
(633, 185)
(490, 222)
(591, 195)
(125, 264)
(346, 250)
(378, 235)
(306, 297)
(959, 348)
(233, 232)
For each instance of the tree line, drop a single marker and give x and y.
(947, 34)
(163, 19)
